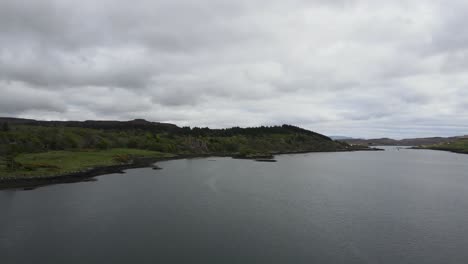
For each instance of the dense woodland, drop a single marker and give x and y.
(32, 148)
(139, 134)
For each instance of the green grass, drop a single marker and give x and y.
(42, 154)
(459, 146)
(61, 162)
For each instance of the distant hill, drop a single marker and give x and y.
(32, 136)
(340, 137)
(99, 124)
(402, 142)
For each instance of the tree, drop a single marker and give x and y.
(5, 127)
(245, 151)
(10, 156)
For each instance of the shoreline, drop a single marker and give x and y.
(83, 175)
(88, 174)
(439, 149)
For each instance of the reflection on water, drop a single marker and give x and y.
(393, 206)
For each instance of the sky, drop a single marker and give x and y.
(338, 67)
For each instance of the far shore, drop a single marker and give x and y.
(457, 151)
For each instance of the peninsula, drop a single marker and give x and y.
(35, 151)
(459, 145)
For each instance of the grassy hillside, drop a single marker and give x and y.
(458, 146)
(29, 148)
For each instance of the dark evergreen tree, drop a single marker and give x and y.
(10, 156)
(5, 127)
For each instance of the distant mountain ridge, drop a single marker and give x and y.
(159, 127)
(341, 138)
(96, 124)
(403, 142)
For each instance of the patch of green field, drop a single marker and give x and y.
(61, 162)
(459, 146)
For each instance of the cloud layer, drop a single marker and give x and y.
(343, 67)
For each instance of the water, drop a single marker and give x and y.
(407, 206)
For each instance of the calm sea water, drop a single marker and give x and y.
(407, 206)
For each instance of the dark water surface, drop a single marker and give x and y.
(408, 206)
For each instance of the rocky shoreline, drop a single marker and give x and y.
(90, 173)
(83, 175)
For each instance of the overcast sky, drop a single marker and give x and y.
(339, 67)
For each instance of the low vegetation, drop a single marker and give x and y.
(62, 162)
(459, 146)
(39, 148)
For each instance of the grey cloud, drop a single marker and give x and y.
(16, 99)
(109, 100)
(158, 24)
(396, 68)
(450, 33)
(64, 70)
